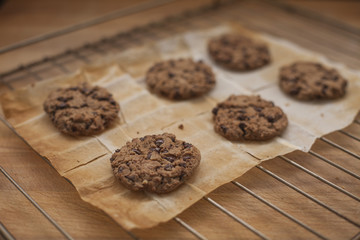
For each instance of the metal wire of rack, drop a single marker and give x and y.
(64, 64)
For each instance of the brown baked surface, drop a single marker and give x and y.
(248, 118)
(238, 52)
(155, 163)
(310, 80)
(81, 110)
(180, 79)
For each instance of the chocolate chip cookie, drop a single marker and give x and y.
(310, 80)
(155, 163)
(180, 79)
(81, 110)
(242, 117)
(237, 52)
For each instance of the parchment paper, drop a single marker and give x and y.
(85, 160)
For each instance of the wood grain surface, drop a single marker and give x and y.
(83, 221)
(53, 46)
(345, 12)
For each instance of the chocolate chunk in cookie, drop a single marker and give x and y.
(81, 110)
(155, 163)
(248, 118)
(237, 52)
(180, 79)
(310, 80)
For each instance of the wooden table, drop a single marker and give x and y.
(335, 35)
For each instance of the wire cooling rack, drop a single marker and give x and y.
(333, 161)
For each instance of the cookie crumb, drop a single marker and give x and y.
(322, 115)
(137, 132)
(181, 127)
(287, 104)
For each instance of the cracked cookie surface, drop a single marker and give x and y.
(81, 110)
(310, 80)
(242, 117)
(155, 163)
(237, 52)
(180, 79)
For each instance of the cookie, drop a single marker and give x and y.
(155, 163)
(242, 117)
(237, 52)
(180, 79)
(81, 110)
(310, 80)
